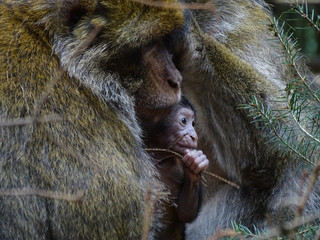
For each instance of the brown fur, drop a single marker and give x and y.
(71, 69)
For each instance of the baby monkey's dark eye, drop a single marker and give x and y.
(184, 121)
(193, 123)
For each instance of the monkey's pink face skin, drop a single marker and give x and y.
(183, 135)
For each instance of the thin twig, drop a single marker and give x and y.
(30, 120)
(148, 214)
(313, 180)
(43, 193)
(76, 155)
(195, 6)
(295, 7)
(47, 91)
(317, 236)
(275, 232)
(91, 37)
(223, 233)
(163, 150)
(205, 172)
(311, 136)
(223, 179)
(35, 116)
(174, 143)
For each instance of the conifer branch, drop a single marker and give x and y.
(293, 53)
(304, 12)
(303, 129)
(264, 115)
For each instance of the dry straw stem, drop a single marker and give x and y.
(35, 116)
(290, 229)
(195, 6)
(76, 155)
(317, 236)
(223, 233)
(96, 29)
(304, 199)
(205, 172)
(47, 91)
(148, 214)
(30, 120)
(297, 1)
(285, 228)
(43, 193)
(312, 182)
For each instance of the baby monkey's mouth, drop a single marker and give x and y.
(181, 148)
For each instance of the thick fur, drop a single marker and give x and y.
(61, 59)
(78, 63)
(231, 53)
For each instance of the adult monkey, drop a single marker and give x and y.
(97, 44)
(70, 72)
(228, 57)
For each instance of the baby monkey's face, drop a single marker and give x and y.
(181, 135)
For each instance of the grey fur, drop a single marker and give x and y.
(267, 177)
(31, 158)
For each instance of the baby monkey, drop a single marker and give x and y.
(176, 132)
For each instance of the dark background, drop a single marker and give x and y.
(309, 38)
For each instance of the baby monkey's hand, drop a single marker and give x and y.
(195, 162)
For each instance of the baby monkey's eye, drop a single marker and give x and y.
(193, 123)
(183, 121)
